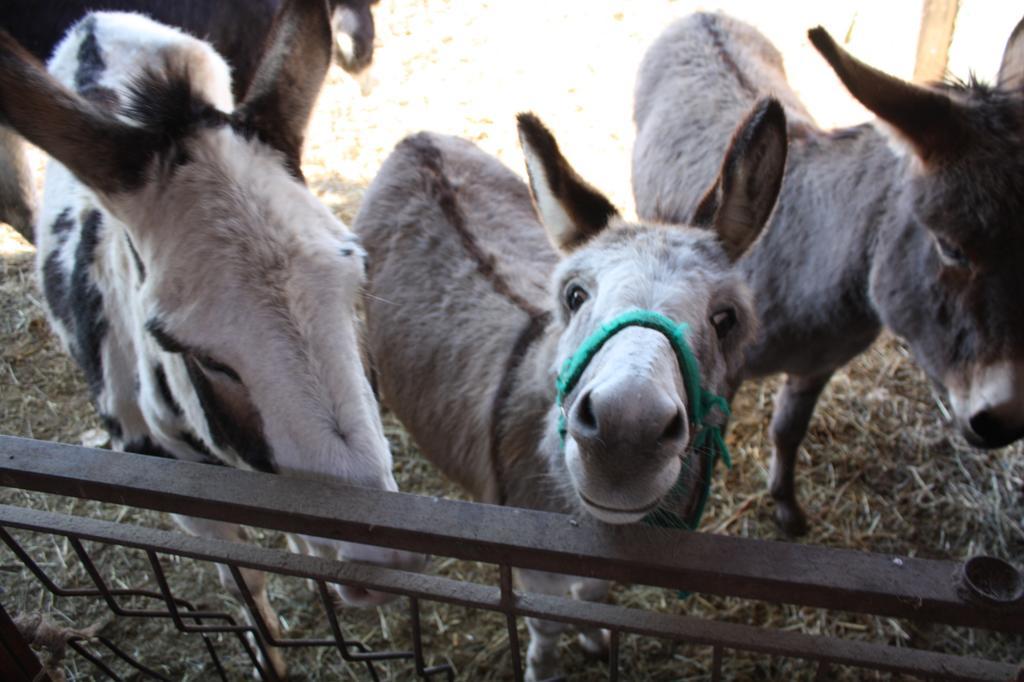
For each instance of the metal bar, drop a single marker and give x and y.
(251, 556)
(108, 596)
(751, 638)
(124, 656)
(106, 592)
(682, 628)
(101, 585)
(262, 665)
(417, 632)
(417, 636)
(508, 598)
(39, 573)
(77, 645)
(339, 638)
(754, 569)
(17, 660)
(363, 653)
(10, 667)
(212, 650)
(716, 664)
(613, 656)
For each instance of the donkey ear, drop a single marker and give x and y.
(740, 202)
(287, 81)
(1011, 71)
(102, 152)
(924, 118)
(571, 210)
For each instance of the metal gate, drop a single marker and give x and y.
(982, 593)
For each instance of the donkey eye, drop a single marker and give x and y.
(951, 254)
(723, 321)
(575, 297)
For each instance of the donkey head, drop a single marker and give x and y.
(947, 278)
(628, 431)
(248, 283)
(353, 33)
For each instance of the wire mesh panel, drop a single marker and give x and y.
(982, 594)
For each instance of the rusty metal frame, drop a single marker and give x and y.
(835, 579)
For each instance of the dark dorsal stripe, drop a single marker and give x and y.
(710, 23)
(533, 330)
(431, 160)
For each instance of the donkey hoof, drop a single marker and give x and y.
(790, 520)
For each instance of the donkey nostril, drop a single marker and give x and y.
(992, 431)
(984, 424)
(585, 412)
(675, 428)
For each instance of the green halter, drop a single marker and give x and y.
(708, 436)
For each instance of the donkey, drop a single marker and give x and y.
(237, 29)
(909, 224)
(470, 314)
(207, 296)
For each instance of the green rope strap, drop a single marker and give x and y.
(708, 437)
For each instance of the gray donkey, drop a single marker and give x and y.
(912, 224)
(470, 315)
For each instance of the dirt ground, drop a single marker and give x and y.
(880, 470)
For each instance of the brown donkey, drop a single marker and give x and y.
(471, 313)
(912, 224)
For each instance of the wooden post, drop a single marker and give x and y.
(938, 19)
(18, 662)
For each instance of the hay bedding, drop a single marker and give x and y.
(880, 470)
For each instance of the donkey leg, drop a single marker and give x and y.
(17, 194)
(794, 406)
(594, 640)
(541, 654)
(298, 545)
(255, 581)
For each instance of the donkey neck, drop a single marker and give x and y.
(811, 270)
